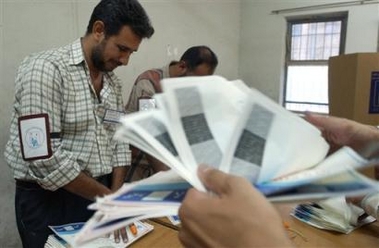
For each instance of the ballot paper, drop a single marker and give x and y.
(333, 214)
(64, 236)
(237, 129)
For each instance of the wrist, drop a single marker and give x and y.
(370, 204)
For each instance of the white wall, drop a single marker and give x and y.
(262, 48)
(28, 26)
(247, 38)
(180, 24)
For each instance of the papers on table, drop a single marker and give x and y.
(233, 128)
(65, 235)
(174, 219)
(332, 214)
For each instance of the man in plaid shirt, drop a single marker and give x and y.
(75, 88)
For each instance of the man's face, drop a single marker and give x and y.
(115, 50)
(201, 70)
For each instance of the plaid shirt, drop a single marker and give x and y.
(57, 82)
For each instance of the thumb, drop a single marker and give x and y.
(328, 123)
(315, 119)
(214, 180)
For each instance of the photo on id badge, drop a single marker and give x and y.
(34, 135)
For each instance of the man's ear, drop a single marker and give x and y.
(182, 66)
(98, 30)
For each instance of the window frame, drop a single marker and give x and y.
(313, 18)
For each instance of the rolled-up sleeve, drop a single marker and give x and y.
(40, 92)
(123, 155)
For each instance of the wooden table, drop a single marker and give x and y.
(162, 236)
(366, 236)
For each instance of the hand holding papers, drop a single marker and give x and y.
(332, 214)
(225, 124)
(156, 196)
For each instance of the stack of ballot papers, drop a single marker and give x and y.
(333, 214)
(64, 235)
(236, 129)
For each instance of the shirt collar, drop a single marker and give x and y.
(76, 53)
(166, 71)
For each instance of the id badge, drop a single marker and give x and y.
(34, 134)
(146, 104)
(112, 116)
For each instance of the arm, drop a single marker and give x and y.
(236, 215)
(38, 90)
(156, 164)
(142, 88)
(86, 187)
(370, 203)
(118, 177)
(362, 138)
(343, 132)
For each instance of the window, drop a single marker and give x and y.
(310, 43)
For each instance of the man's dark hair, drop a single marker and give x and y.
(198, 55)
(117, 13)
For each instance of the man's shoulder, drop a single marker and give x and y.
(153, 71)
(150, 80)
(57, 55)
(154, 75)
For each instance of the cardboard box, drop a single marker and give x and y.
(354, 87)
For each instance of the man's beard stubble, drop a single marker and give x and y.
(98, 58)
